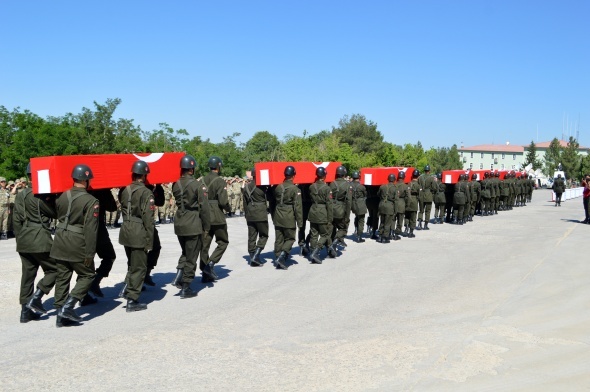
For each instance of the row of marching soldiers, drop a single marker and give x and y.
(200, 219)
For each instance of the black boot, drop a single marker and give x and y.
(411, 235)
(88, 300)
(186, 291)
(332, 253)
(454, 222)
(67, 311)
(208, 273)
(342, 243)
(123, 291)
(148, 279)
(385, 240)
(280, 263)
(27, 314)
(426, 226)
(95, 287)
(419, 227)
(374, 236)
(255, 259)
(396, 237)
(35, 302)
(177, 282)
(315, 256)
(359, 238)
(134, 306)
(212, 270)
(406, 231)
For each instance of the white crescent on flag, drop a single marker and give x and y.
(323, 164)
(154, 157)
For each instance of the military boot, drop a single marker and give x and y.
(212, 270)
(419, 227)
(359, 238)
(4, 236)
(374, 236)
(280, 262)
(35, 302)
(331, 252)
(255, 259)
(426, 226)
(186, 291)
(411, 235)
(406, 231)
(315, 256)
(177, 282)
(67, 311)
(95, 287)
(385, 240)
(454, 222)
(88, 300)
(134, 306)
(27, 314)
(148, 279)
(303, 250)
(208, 274)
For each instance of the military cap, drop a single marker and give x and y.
(2, 179)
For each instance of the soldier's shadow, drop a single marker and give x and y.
(222, 273)
(264, 258)
(572, 220)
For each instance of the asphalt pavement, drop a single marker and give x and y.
(498, 304)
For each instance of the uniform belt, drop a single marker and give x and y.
(73, 229)
(414, 193)
(256, 203)
(133, 219)
(34, 224)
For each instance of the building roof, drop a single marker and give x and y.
(512, 148)
(494, 148)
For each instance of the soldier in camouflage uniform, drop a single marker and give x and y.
(236, 190)
(4, 209)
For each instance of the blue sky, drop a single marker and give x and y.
(438, 72)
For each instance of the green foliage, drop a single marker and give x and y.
(531, 157)
(552, 157)
(263, 146)
(360, 134)
(584, 166)
(570, 159)
(444, 158)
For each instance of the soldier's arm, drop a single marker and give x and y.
(91, 217)
(147, 215)
(222, 198)
(298, 205)
(204, 208)
(18, 217)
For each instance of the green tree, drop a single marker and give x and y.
(552, 157)
(165, 139)
(360, 134)
(531, 157)
(263, 146)
(443, 158)
(570, 159)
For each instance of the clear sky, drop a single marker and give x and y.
(439, 72)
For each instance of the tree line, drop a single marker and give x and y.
(574, 165)
(354, 141)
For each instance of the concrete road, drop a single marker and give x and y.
(502, 303)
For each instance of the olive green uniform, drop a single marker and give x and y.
(373, 210)
(440, 202)
(192, 219)
(558, 188)
(137, 234)
(412, 204)
(320, 214)
(32, 216)
(359, 206)
(254, 200)
(426, 196)
(104, 246)
(218, 202)
(461, 198)
(403, 193)
(74, 245)
(388, 196)
(486, 194)
(475, 196)
(342, 205)
(287, 215)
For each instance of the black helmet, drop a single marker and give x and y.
(29, 168)
(391, 177)
(290, 171)
(140, 167)
(416, 173)
(486, 174)
(340, 171)
(82, 172)
(401, 175)
(439, 176)
(427, 168)
(356, 175)
(215, 162)
(188, 162)
(497, 174)
(474, 176)
(321, 172)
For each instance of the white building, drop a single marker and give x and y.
(504, 156)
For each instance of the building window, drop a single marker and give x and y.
(514, 157)
(503, 155)
(482, 154)
(492, 166)
(481, 165)
(471, 155)
(502, 166)
(513, 166)
(471, 166)
(492, 155)
(461, 154)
